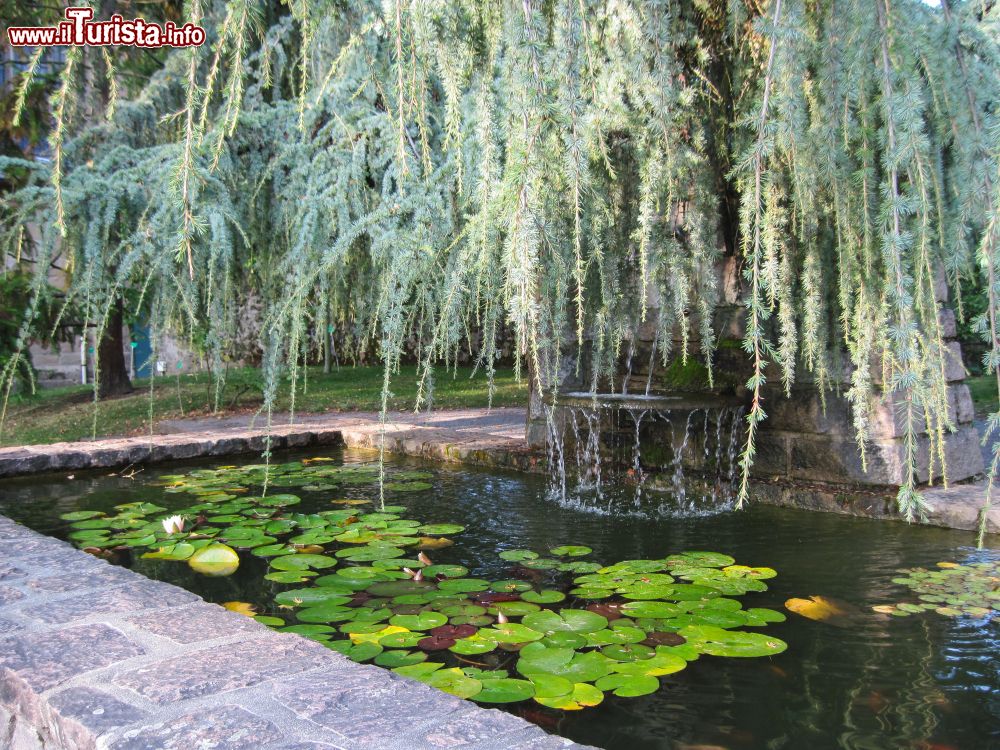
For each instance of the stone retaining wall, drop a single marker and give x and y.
(96, 656)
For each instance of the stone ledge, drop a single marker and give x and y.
(93, 656)
(473, 436)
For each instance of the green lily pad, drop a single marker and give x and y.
(512, 555)
(582, 695)
(572, 620)
(627, 651)
(447, 571)
(455, 682)
(400, 658)
(628, 685)
(179, 551)
(510, 586)
(302, 562)
(271, 550)
(313, 595)
(545, 596)
(514, 609)
(289, 576)
(464, 585)
(570, 550)
(409, 487)
(83, 515)
(511, 632)
(719, 642)
(407, 639)
(422, 621)
(441, 529)
(504, 690)
(473, 645)
(215, 560)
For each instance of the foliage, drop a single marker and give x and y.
(418, 170)
(358, 593)
(17, 294)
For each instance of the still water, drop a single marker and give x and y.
(925, 682)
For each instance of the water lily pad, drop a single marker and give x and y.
(700, 559)
(80, 515)
(582, 695)
(215, 560)
(737, 643)
(665, 661)
(271, 550)
(518, 555)
(400, 658)
(514, 609)
(302, 562)
(326, 612)
(422, 621)
(441, 529)
(628, 685)
(404, 639)
(545, 596)
(565, 639)
(271, 622)
(313, 595)
(570, 550)
(627, 651)
(370, 553)
(180, 551)
(435, 643)
(311, 629)
(473, 645)
(653, 610)
(409, 487)
(446, 571)
(504, 690)
(421, 671)
(510, 586)
(572, 620)
(511, 632)
(464, 585)
(289, 576)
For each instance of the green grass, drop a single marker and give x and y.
(65, 414)
(984, 394)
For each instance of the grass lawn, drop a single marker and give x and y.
(67, 413)
(984, 394)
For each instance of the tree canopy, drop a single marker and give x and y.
(418, 169)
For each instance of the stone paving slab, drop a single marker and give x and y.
(121, 662)
(475, 436)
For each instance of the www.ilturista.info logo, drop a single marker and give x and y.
(79, 30)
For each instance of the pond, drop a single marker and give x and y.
(861, 679)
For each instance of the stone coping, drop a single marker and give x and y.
(96, 656)
(472, 436)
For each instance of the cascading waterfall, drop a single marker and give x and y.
(643, 455)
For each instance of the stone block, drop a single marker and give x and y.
(805, 411)
(773, 455)
(954, 366)
(948, 323)
(134, 596)
(837, 460)
(48, 659)
(213, 671)
(197, 622)
(219, 728)
(96, 710)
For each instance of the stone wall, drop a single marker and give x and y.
(807, 436)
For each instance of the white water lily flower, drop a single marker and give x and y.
(174, 524)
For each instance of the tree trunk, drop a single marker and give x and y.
(112, 373)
